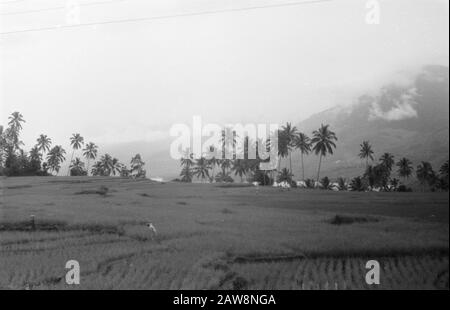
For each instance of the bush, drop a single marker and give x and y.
(74, 172)
(343, 219)
(325, 183)
(310, 183)
(342, 184)
(224, 178)
(404, 189)
(21, 165)
(262, 178)
(358, 185)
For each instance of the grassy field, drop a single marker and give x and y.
(217, 237)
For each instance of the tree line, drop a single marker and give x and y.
(377, 176)
(46, 159)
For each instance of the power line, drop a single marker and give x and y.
(141, 19)
(57, 8)
(12, 1)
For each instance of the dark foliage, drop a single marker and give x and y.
(262, 178)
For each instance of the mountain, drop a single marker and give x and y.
(409, 119)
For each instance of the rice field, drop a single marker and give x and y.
(213, 237)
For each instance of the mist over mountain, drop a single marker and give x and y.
(408, 118)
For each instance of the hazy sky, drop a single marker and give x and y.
(117, 82)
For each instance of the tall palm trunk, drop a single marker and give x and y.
(290, 162)
(71, 158)
(43, 160)
(318, 170)
(303, 167)
(87, 169)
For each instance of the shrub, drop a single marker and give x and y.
(285, 176)
(75, 172)
(310, 183)
(343, 219)
(325, 183)
(20, 164)
(224, 178)
(262, 178)
(342, 184)
(403, 189)
(358, 185)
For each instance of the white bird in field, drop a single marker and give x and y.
(152, 229)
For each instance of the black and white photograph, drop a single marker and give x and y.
(238, 148)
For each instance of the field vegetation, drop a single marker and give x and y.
(217, 237)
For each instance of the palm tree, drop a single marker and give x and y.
(283, 147)
(43, 143)
(116, 166)
(106, 165)
(77, 165)
(35, 159)
(90, 152)
(240, 168)
(425, 173)
(394, 182)
(366, 152)
(303, 143)
(285, 176)
(225, 165)
(201, 169)
(290, 132)
(137, 165)
(16, 120)
(387, 161)
(213, 161)
(97, 169)
(55, 157)
(323, 144)
(187, 159)
(186, 174)
(443, 171)
(35, 154)
(76, 141)
(357, 184)
(405, 168)
(2, 144)
(15, 126)
(342, 184)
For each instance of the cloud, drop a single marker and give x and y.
(402, 108)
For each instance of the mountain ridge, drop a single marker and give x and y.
(406, 119)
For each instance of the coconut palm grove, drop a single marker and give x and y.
(387, 173)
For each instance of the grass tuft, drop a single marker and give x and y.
(102, 191)
(58, 226)
(346, 220)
